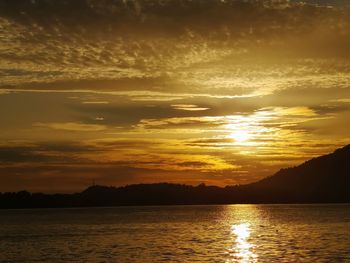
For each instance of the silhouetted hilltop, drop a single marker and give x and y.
(322, 179)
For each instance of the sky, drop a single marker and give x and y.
(122, 92)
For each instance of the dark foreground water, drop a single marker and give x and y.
(223, 233)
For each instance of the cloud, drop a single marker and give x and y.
(180, 91)
(71, 126)
(109, 152)
(49, 152)
(77, 178)
(73, 165)
(215, 47)
(20, 154)
(182, 123)
(188, 107)
(95, 102)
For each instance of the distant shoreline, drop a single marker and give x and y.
(172, 205)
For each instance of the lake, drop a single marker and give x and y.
(215, 233)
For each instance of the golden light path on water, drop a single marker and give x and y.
(243, 249)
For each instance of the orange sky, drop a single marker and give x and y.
(220, 92)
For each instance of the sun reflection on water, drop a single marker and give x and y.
(242, 250)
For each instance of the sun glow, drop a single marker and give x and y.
(240, 136)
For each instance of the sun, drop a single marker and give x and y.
(240, 136)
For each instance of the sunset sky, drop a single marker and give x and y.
(121, 92)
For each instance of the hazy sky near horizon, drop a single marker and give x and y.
(120, 92)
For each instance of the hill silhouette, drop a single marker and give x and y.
(322, 179)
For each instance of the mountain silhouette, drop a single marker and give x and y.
(323, 179)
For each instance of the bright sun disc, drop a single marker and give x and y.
(240, 136)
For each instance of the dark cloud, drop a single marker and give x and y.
(20, 154)
(65, 146)
(50, 152)
(211, 142)
(125, 143)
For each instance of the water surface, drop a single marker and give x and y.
(223, 233)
